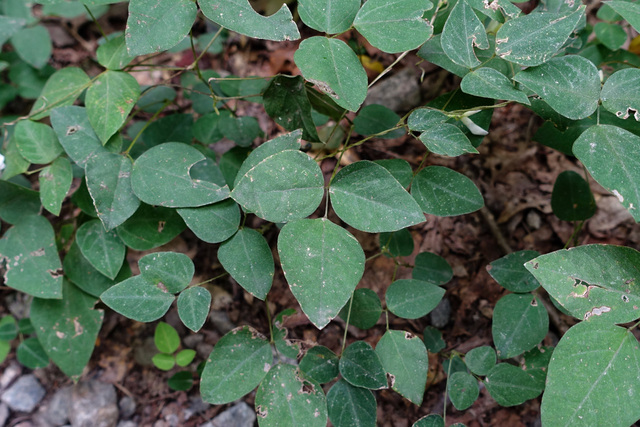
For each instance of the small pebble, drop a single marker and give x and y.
(24, 395)
(441, 314)
(239, 415)
(127, 407)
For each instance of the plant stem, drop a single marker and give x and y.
(146, 125)
(346, 326)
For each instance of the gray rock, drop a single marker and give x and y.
(399, 92)
(127, 407)
(197, 406)
(57, 412)
(127, 424)
(239, 415)
(93, 404)
(24, 395)
(441, 314)
(9, 375)
(4, 414)
(191, 341)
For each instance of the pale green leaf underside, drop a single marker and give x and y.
(489, 83)
(328, 16)
(461, 33)
(62, 88)
(592, 282)
(193, 307)
(569, 84)
(612, 156)
(322, 263)
(533, 39)
(138, 299)
(239, 16)
(55, 181)
(447, 140)
(103, 249)
(602, 362)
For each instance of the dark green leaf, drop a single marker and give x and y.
(213, 223)
(8, 328)
(510, 385)
(103, 249)
(430, 267)
(171, 271)
(433, 339)
(320, 364)
(150, 227)
(193, 307)
(411, 299)
(463, 390)
(480, 360)
(181, 381)
(241, 130)
(31, 354)
(16, 202)
(572, 199)
(365, 309)
(360, 366)
(519, 323)
(444, 192)
(374, 119)
(286, 102)
(432, 420)
(351, 406)
(398, 243)
(510, 272)
(138, 299)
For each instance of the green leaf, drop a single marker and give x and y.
(533, 39)
(286, 102)
(335, 69)
(184, 357)
(113, 54)
(206, 129)
(62, 88)
(248, 259)
(398, 243)
(374, 119)
(155, 26)
(109, 182)
(5, 348)
(592, 282)
(365, 309)
(82, 274)
(193, 307)
(166, 338)
(153, 98)
(14, 163)
(170, 271)
(612, 157)
(71, 125)
(447, 140)
(67, 328)
(432, 268)
(16, 202)
(109, 101)
(284, 398)
(33, 45)
(367, 197)
(103, 249)
(238, 363)
(405, 358)
(285, 347)
(31, 354)
(394, 26)
(412, 299)
(480, 360)
(36, 142)
(161, 177)
(613, 36)
(282, 187)
(510, 272)
(360, 366)
(351, 406)
(433, 339)
(511, 386)
(519, 323)
(569, 84)
(444, 192)
(241, 130)
(164, 362)
(322, 263)
(572, 199)
(213, 223)
(423, 119)
(489, 83)
(239, 16)
(8, 328)
(10, 25)
(461, 33)
(536, 363)
(604, 379)
(55, 182)
(181, 381)
(328, 16)
(463, 390)
(319, 364)
(629, 11)
(138, 299)
(432, 420)
(32, 266)
(399, 168)
(150, 227)
(620, 93)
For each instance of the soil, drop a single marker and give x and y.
(514, 173)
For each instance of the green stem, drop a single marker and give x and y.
(95, 21)
(146, 125)
(266, 307)
(346, 326)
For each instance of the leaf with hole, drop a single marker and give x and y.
(323, 263)
(335, 69)
(248, 259)
(32, 266)
(612, 157)
(138, 299)
(533, 39)
(67, 328)
(239, 16)
(154, 26)
(412, 299)
(510, 272)
(238, 363)
(109, 101)
(366, 196)
(351, 406)
(569, 84)
(592, 282)
(360, 366)
(620, 93)
(103, 249)
(193, 307)
(444, 192)
(170, 271)
(75, 134)
(328, 16)
(405, 358)
(520, 321)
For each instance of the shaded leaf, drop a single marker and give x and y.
(320, 364)
(31, 354)
(213, 223)
(519, 323)
(351, 406)
(510, 272)
(150, 227)
(444, 192)
(374, 119)
(432, 268)
(489, 83)
(365, 309)
(103, 249)
(171, 271)
(360, 366)
(411, 299)
(510, 385)
(572, 199)
(286, 102)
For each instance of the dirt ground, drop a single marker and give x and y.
(514, 173)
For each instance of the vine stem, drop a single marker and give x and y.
(146, 125)
(386, 70)
(346, 326)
